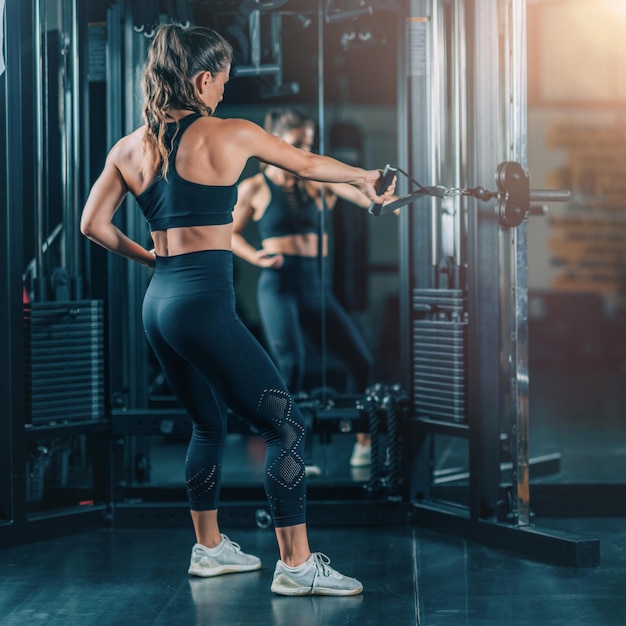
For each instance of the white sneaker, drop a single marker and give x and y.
(361, 455)
(226, 558)
(315, 577)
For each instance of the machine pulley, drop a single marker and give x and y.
(514, 194)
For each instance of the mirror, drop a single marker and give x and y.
(352, 101)
(340, 73)
(352, 104)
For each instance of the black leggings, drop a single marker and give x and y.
(210, 359)
(290, 306)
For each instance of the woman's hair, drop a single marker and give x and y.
(175, 56)
(279, 121)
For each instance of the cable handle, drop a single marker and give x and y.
(386, 178)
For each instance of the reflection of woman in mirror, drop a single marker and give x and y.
(182, 166)
(285, 209)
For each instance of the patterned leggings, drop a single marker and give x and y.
(211, 360)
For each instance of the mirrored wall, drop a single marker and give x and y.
(338, 69)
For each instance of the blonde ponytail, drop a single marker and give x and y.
(175, 56)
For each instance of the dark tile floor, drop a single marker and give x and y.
(459, 583)
(410, 575)
(139, 577)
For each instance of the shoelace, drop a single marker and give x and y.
(323, 564)
(232, 543)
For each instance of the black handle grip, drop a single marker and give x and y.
(382, 183)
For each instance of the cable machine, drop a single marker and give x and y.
(463, 298)
(464, 294)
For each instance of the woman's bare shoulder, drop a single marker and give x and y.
(128, 146)
(235, 128)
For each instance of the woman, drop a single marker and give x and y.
(182, 166)
(290, 294)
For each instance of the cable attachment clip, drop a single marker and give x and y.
(514, 199)
(480, 193)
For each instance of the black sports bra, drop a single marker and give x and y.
(176, 202)
(289, 212)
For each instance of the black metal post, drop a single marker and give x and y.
(12, 444)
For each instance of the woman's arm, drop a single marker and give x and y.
(105, 197)
(349, 193)
(304, 164)
(242, 214)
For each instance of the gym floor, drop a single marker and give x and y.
(410, 575)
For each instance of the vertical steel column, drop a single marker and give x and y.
(71, 136)
(404, 238)
(128, 349)
(418, 150)
(415, 240)
(448, 131)
(12, 379)
(40, 80)
(116, 367)
(321, 132)
(515, 251)
(458, 151)
(437, 126)
(484, 277)
(135, 45)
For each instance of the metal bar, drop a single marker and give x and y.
(415, 228)
(65, 122)
(40, 11)
(539, 466)
(12, 382)
(116, 369)
(515, 336)
(437, 120)
(484, 342)
(254, 27)
(403, 270)
(460, 120)
(276, 31)
(549, 547)
(136, 279)
(242, 513)
(417, 73)
(75, 203)
(549, 195)
(52, 525)
(256, 70)
(321, 116)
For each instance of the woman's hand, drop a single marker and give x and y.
(265, 259)
(368, 187)
(153, 252)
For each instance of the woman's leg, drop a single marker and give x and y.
(203, 461)
(347, 343)
(293, 544)
(278, 310)
(215, 344)
(203, 330)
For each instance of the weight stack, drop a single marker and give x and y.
(439, 328)
(64, 361)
